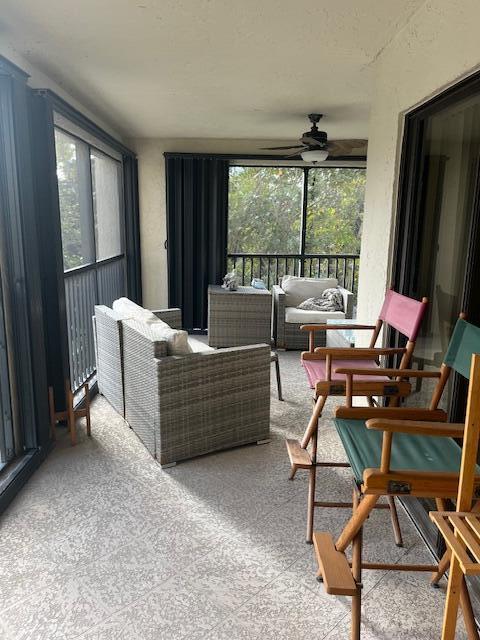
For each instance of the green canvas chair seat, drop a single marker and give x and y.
(363, 448)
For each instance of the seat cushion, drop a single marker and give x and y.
(305, 316)
(128, 309)
(298, 289)
(176, 339)
(417, 453)
(316, 370)
(198, 346)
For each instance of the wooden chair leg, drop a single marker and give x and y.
(71, 414)
(311, 493)
(293, 471)
(395, 523)
(357, 576)
(313, 423)
(442, 568)
(87, 410)
(355, 523)
(450, 613)
(465, 603)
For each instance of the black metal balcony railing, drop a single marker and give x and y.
(98, 283)
(271, 267)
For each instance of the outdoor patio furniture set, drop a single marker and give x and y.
(394, 450)
(184, 398)
(255, 315)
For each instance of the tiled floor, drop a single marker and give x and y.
(104, 545)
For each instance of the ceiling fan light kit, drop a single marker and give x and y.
(315, 147)
(316, 155)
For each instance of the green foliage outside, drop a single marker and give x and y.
(265, 205)
(70, 198)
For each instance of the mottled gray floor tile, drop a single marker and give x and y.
(397, 610)
(169, 611)
(102, 544)
(60, 611)
(286, 609)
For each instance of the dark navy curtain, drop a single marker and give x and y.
(197, 203)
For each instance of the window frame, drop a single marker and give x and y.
(91, 147)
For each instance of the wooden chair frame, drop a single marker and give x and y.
(395, 388)
(461, 530)
(70, 415)
(385, 481)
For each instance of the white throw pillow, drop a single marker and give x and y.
(128, 309)
(299, 289)
(176, 339)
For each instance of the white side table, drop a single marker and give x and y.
(341, 338)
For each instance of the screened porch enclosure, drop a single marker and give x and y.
(295, 220)
(91, 196)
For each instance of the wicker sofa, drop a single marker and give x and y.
(181, 406)
(287, 318)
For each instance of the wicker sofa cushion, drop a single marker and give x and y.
(197, 346)
(176, 339)
(304, 316)
(299, 289)
(128, 309)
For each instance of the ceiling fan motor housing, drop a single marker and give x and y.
(320, 137)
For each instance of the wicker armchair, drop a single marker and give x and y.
(286, 325)
(108, 335)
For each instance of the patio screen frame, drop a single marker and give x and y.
(44, 105)
(344, 162)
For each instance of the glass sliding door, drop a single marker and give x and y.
(446, 240)
(437, 247)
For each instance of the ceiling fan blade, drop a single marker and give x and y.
(296, 154)
(280, 148)
(339, 147)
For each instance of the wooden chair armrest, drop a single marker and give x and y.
(350, 353)
(329, 327)
(403, 373)
(391, 413)
(423, 428)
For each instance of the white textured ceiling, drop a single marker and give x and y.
(211, 68)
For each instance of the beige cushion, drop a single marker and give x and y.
(176, 339)
(299, 289)
(302, 316)
(198, 346)
(128, 309)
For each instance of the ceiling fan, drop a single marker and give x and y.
(314, 144)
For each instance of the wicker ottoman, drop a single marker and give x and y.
(240, 317)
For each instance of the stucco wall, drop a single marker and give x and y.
(39, 80)
(438, 47)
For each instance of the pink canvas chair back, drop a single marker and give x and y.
(403, 314)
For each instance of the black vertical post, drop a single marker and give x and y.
(132, 228)
(303, 227)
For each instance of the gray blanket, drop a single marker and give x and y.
(331, 300)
